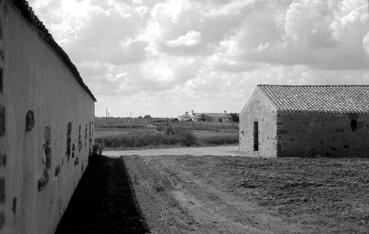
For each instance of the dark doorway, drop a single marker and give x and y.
(353, 125)
(256, 136)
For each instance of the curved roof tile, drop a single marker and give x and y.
(319, 98)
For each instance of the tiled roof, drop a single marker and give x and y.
(214, 115)
(320, 98)
(185, 116)
(44, 34)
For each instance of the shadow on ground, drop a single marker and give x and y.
(104, 201)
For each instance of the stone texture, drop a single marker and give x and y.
(69, 140)
(302, 133)
(79, 138)
(36, 78)
(2, 220)
(3, 160)
(261, 110)
(57, 170)
(30, 121)
(14, 205)
(2, 120)
(47, 147)
(42, 182)
(327, 134)
(76, 161)
(2, 190)
(1, 80)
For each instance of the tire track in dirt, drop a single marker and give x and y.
(210, 209)
(226, 211)
(162, 212)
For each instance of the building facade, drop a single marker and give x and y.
(283, 121)
(206, 117)
(212, 117)
(46, 124)
(184, 118)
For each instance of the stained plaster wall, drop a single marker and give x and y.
(322, 134)
(39, 96)
(260, 109)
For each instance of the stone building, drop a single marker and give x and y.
(184, 118)
(212, 117)
(46, 124)
(312, 120)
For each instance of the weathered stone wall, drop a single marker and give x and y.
(258, 109)
(46, 128)
(322, 134)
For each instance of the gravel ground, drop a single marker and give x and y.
(193, 151)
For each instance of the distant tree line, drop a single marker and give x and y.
(145, 117)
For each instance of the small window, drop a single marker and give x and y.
(353, 125)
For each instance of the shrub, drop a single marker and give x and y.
(220, 140)
(181, 137)
(97, 148)
(168, 135)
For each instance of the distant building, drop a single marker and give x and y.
(313, 120)
(212, 117)
(185, 117)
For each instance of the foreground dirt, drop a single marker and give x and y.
(185, 194)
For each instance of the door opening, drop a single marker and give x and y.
(256, 136)
(353, 125)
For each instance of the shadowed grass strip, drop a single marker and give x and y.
(180, 138)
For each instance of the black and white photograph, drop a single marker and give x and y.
(184, 116)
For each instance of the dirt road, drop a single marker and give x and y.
(175, 200)
(193, 151)
(205, 194)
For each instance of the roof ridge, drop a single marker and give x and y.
(44, 34)
(211, 113)
(318, 85)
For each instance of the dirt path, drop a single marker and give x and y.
(231, 150)
(189, 204)
(206, 194)
(103, 202)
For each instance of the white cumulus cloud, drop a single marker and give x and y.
(163, 57)
(191, 38)
(366, 43)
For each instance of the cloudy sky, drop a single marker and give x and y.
(166, 57)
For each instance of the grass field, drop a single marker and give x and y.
(128, 133)
(134, 123)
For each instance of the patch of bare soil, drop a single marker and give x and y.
(104, 201)
(185, 194)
